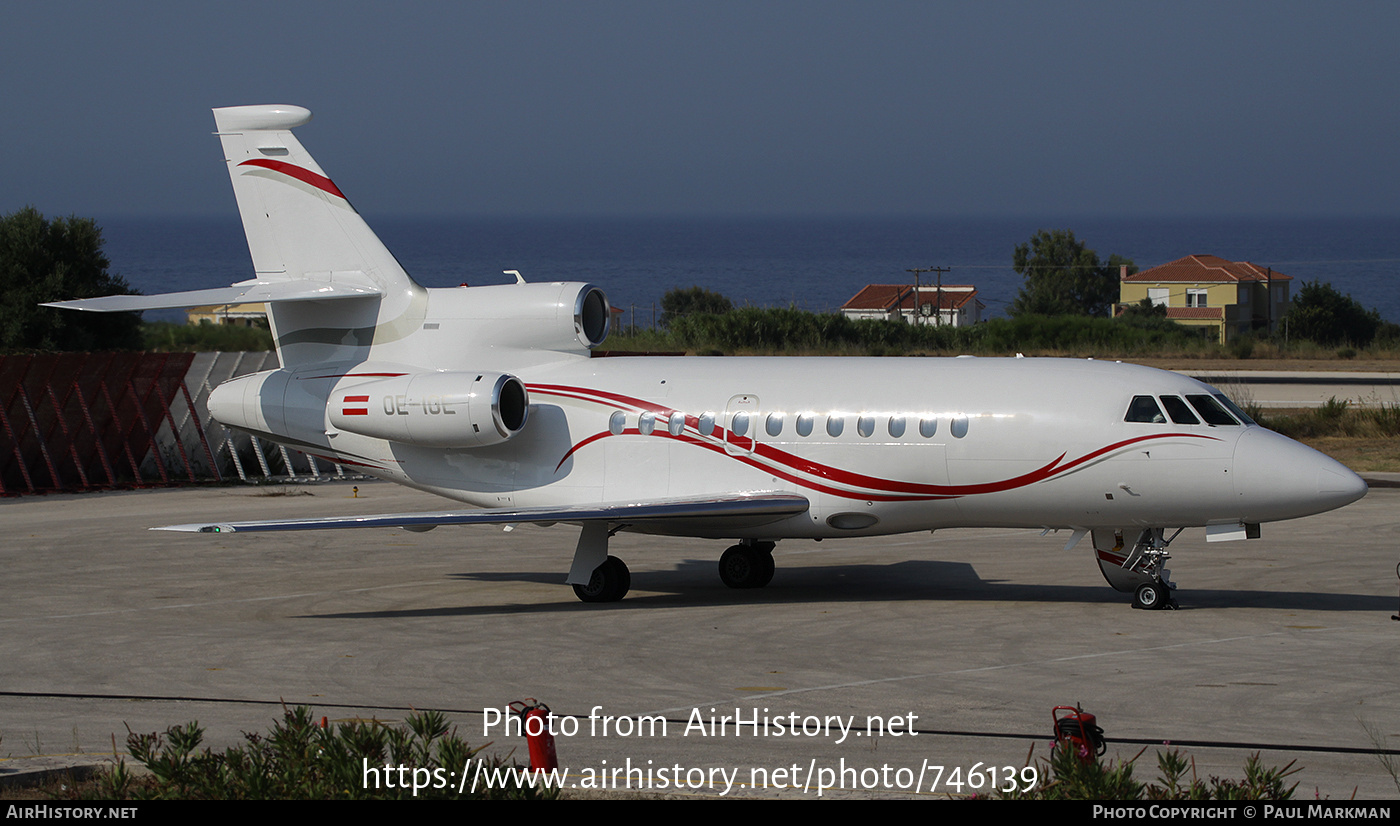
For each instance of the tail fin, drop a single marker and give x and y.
(332, 288)
(301, 228)
(299, 224)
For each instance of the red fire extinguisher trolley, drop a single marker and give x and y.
(1079, 729)
(535, 723)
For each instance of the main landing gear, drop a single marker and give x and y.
(598, 577)
(1140, 571)
(747, 565)
(610, 582)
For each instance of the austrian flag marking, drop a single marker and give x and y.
(347, 410)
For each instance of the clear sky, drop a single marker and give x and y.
(718, 108)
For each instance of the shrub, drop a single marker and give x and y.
(298, 759)
(1066, 776)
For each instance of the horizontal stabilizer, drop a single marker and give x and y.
(258, 292)
(754, 509)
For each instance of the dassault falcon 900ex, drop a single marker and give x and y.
(488, 395)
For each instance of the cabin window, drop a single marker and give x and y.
(1144, 409)
(958, 427)
(834, 425)
(775, 424)
(1211, 410)
(616, 422)
(676, 426)
(739, 425)
(865, 426)
(896, 426)
(1177, 409)
(804, 424)
(928, 427)
(646, 423)
(706, 425)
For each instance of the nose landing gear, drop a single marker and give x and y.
(1141, 571)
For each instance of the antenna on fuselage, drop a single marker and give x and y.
(519, 279)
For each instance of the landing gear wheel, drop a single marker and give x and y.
(610, 582)
(769, 567)
(1153, 596)
(747, 566)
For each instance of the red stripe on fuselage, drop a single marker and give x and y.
(887, 488)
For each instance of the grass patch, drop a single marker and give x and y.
(1361, 455)
(1334, 419)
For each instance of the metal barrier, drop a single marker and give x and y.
(83, 421)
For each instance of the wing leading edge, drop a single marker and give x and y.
(248, 292)
(741, 510)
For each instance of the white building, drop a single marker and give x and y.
(952, 305)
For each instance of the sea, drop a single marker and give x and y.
(813, 264)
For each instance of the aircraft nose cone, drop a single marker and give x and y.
(1278, 478)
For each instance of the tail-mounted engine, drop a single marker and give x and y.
(562, 317)
(449, 409)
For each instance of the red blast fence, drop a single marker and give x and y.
(90, 421)
(71, 421)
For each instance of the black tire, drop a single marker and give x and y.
(1151, 596)
(743, 567)
(765, 558)
(610, 582)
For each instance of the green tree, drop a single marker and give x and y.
(680, 302)
(43, 260)
(1145, 309)
(1064, 277)
(1323, 315)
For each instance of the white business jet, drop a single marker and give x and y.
(488, 396)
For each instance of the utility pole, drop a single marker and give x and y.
(1269, 303)
(938, 305)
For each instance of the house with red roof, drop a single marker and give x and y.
(1230, 298)
(951, 305)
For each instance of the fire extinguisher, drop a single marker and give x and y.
(535, 722)
(1079, 729)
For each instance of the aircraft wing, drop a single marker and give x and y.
(737, 510)
(253, 292)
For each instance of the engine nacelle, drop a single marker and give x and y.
(448, 409)
(564, 317)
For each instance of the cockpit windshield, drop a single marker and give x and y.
(1179, 410)
(1144, 409)
(1234, 408)
(1211, 410)
(1215, 409)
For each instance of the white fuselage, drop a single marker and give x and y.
(488, 395)
(878, 446)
